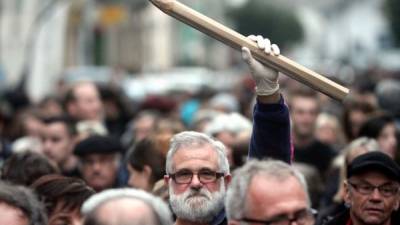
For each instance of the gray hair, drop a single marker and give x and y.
(23, 198)
(388, 93)
(368, 144)
(355, 148)
(235, 203)
(159, 208)
(196, 139)
(362, 143)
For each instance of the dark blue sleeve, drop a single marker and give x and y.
(271, 132)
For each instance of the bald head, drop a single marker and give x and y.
(125, 207)
(119, 211)
(12, 215)
(84, 102)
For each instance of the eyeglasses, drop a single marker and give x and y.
(302, 217)
(205, 176)
(387, 190)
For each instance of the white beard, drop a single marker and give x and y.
(199, 206)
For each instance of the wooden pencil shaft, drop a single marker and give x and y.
(237, 41)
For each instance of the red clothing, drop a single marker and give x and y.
(349, 222)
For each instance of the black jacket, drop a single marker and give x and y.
(342, 218)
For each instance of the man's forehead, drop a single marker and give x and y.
(264, 180)
(84, 86)
(270, 196)
(59, 126)
(195, 157)
(96, 156)
(5, 205)
(125, 209)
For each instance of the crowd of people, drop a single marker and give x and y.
(268, 151)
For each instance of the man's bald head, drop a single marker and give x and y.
(125, 207)
(119, 211)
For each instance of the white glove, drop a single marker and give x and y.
(266, 78)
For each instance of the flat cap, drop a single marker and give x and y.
(98, 144)
(374, 161)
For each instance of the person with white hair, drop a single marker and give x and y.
(125, 206)
(197, 167)
(268, 192)
(196, 199)
(230, 129)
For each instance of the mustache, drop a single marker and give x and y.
(193, 193)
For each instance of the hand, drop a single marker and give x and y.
(266, 78)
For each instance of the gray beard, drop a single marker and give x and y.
(199, 206)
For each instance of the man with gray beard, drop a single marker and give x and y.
(202, 204)
(197, 167)
(198, 174)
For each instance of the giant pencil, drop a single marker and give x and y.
(236, 40)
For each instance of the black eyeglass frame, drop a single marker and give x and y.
(368, 192)
(216, 175)
(310, 211)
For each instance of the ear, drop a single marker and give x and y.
(396, 206)
(227, 179)
(347, 194)
(147, 171)
(166, 180)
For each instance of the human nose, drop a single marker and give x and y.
(96, 165)
(196, 181)
(46, 145)
(376, 194)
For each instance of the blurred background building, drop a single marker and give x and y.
(42, 41)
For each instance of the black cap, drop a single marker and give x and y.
(374, 161)
(98, 144)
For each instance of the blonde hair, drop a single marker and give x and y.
(355, 148)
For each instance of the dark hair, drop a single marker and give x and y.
(302, 92)
(47, 99)
(66, 120)
(25, 167)
(23, 198)
(18, 127)
(56, 189)
(388, 94)
(148, 152)
(354, 105)
(240, 153)
(69, 97)
(374, 125)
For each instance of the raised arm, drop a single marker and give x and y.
(271, 125)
